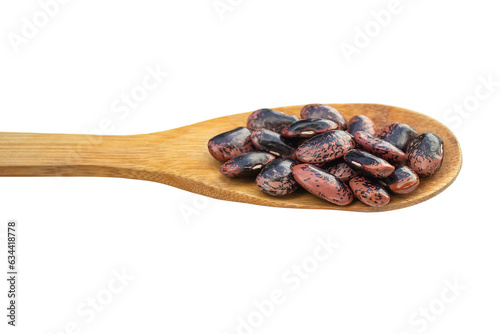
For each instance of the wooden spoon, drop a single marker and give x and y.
(179, 158)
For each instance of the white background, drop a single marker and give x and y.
(197, 265)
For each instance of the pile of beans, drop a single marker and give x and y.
(332, 158)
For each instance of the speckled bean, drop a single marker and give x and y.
(246, 164)
(379, 147)
(294, 142)
(325, 147)
(425, 154)
(360, 123)
(342, 171)
(398, 134)
(270, 119)
(276, 178)
(402, 181)
(367, 164)
(323, 111)
(326, 186)
(307, 128)
(270, 141)
(230, 144)
(369, 192)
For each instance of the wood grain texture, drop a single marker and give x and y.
(179, 158)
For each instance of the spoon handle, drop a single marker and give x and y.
(41, 154)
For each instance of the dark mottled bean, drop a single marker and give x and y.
(270, 119)
(294, 142)
(425, 154)
(402, 181)
(367, 164)
(379, 147)
(325, 147)
(342, 171)
(369, 192)
(276, 178)
(246, 164)
(270, 141)
(326, 186)
(398, 134)
(323, 111)
(229, 144)
(360, 123)
(307, 128)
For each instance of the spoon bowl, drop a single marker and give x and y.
(180, 158)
